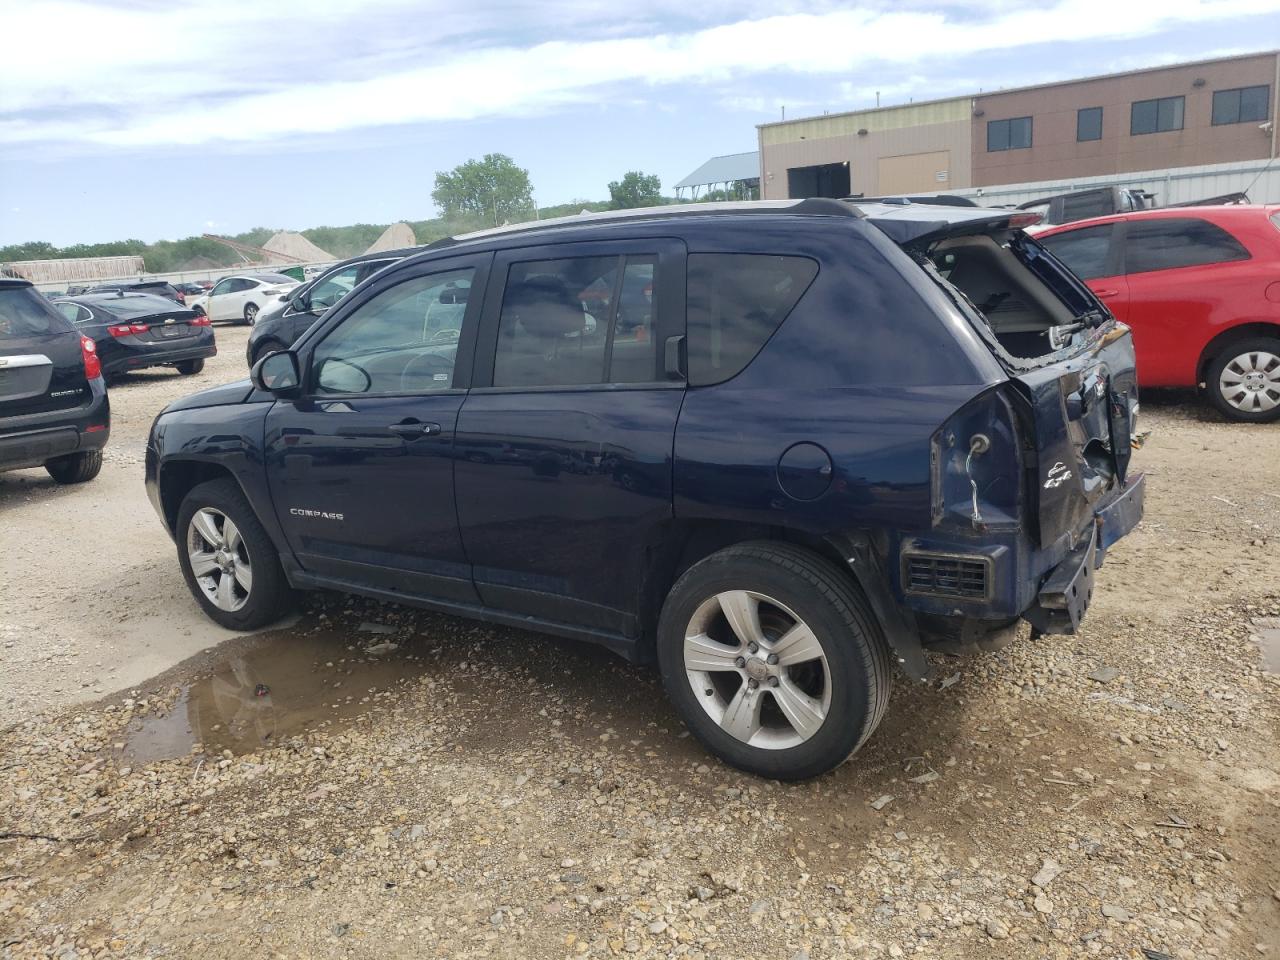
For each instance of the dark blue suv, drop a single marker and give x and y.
(773, 447)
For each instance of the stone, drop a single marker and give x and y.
(1047, 873)
(1104, 674)
(879, 803)
(1043, 904)
(1113, 911)
(996, 930)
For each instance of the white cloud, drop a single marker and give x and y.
(235, 70)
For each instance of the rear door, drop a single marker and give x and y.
(564, 449)
(41, 362)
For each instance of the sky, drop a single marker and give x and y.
(160, 119)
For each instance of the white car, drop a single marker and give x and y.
(243, 296)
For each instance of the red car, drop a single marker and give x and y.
(1200, 287)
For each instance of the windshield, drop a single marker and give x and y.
(273, 278)
(24, 313)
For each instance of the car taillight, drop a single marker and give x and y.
(200, 321)
(125, 329)
(976, 467)
(1020, 220)
(92, 365)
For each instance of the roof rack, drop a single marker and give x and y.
(812, 207)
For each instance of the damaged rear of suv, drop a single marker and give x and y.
(773, 447)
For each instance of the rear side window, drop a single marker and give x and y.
(24, 313)
(735, 303)
(577, 321)
(1178, 242)
(1087, 251)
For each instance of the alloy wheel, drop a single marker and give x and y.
(251, 314)
(757, 669)
(219, 559)
(1251, 382)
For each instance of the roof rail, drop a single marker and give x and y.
(811, 207)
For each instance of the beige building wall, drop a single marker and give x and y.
(1054, 153)
(915, 135)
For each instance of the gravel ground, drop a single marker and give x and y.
(373, 781)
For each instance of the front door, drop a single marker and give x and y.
(361, 468)
(564, 448)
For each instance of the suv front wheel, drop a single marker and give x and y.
(773, 660)
(227, 559)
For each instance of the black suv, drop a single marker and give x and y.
(773, 446)
(53, 401)
(278, 326)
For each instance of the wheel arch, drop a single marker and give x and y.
(854, 555)
(180, 477)
(1242, 331)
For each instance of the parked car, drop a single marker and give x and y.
(136, 330)
(54, 411)
(160, 288)
(1083, 204)
(1200, 288)
(190, 289)
(242, 296)
(280, 325)
(835, 461)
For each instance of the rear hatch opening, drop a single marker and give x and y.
(1071, 366)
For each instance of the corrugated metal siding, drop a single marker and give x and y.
(1171, 185)
(884, 118)
(73, 269)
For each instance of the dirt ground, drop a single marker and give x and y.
(372, 781)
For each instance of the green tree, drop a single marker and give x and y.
(494, 189)
(636, 189)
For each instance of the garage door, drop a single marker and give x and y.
(915, 173)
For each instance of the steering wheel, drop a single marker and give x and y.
(435, 365)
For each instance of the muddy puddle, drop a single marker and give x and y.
(258, 693)
(1267, 632)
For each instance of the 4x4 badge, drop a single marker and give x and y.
(1057, 474)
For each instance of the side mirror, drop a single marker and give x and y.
(300, 304)
(278, 373)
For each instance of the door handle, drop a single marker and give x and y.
(1107, 293)
(412, 429)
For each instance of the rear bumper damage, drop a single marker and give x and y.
(1065, 594)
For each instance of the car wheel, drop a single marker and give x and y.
(774, 660)
(251, 314)
(1244, 380)
(189, 367)
(266, 347)
(76, 467)
(227, 559)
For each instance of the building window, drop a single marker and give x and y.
(1088, 124)
(1014, 134)
(1241, 105)
(1156, 116)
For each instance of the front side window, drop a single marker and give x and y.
(1156, 116)
(578, 321)
(1088, 124)
(333, 288)
(1241, 105)
(1166, 244)
(404, 340)
(221, 287)
(735, 303)
(1086, 251)
(1014, 134)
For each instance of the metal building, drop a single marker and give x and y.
(1159, 123)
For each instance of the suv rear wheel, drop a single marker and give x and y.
(189, 367)
(229, 562)
(1244, 380)
(774, 660)
(76, 467)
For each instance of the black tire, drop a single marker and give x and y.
(1250, 347)
(270, 596)
(251, 313)
(816, 592)
(76, 467)
(189, 367)
(266, 347)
